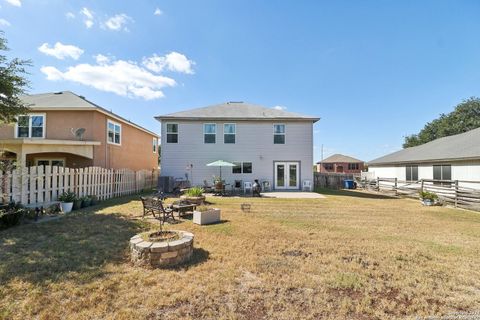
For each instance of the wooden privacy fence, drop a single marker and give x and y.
(31, 185)
(454, 192)
(331, 180)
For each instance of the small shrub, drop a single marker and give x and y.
(67, 196)
(11, 215)
(425, 195)
(194, 192)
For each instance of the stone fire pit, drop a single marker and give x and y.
(162, 249)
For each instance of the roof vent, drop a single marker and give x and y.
(59, 92)
(229, 102)
(83, 97)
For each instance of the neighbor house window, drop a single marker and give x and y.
(30, 126)
(154, 144)
(353, 166)
(172, 133)
(242, 167)
(279, 134)
(50, 162)
(411, 173)
(229, 131)
(209, 132)
(442, 172)
(328, 166)
(114, 132)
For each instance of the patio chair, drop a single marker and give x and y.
(247, 186)
(206, 187)
(266, 185)
(237, 186)
(307, 185)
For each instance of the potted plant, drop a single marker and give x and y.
(66, 201)
(77, 203)
(205, 215)
(86, 201)
(94, 200)
(194, 195)
(428, 198)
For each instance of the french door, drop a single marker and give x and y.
(287, 175)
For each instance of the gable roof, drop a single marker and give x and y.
(337, 158)
(463, 146)
(236, 111)
(67, 100)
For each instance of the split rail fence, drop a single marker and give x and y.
(41, 184)
(453, 192)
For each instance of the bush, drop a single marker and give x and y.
(11, 215)
(425, 195)
(202, 208)
(67, 197)
(194, 192)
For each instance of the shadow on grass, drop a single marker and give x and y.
(351, 193)
(199, 256)
(74, 247)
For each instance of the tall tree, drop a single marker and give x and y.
(465, 117)
(13, 83)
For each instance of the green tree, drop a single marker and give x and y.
(465, 117)
(13, 84)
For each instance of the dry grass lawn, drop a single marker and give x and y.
(349, 256)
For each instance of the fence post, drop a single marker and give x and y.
(378, 184)
(396, 186)
(421, 188)
(456, 193)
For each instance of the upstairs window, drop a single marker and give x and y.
(30, 126)
(114, 132)
(353, 166)
(328, 166)
(279, 134)
(154, 145)
(209, 132)
(172, 133)
(411, 173)
(229, 131)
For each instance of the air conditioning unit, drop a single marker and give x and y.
(166, 184)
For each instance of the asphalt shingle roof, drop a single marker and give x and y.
(462, 146)
(236, 110)
(337, 158)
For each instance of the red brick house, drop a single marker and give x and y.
(339, 163)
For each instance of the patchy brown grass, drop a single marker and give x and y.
(351, 255)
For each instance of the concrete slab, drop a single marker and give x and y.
(293, 195)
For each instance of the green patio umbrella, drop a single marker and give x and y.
(220, 163)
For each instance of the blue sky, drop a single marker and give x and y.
(374, 71)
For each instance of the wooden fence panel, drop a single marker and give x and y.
(40, 184)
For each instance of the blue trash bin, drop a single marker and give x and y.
(348, 184)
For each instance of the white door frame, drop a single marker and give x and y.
(287, 165)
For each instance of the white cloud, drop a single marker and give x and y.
(118, 22)
(101, 59)
(61, 51)
(124, 78)
(70, 15)
(158, 12)
(4, 23)
(88, 17)
(173, 61)
(281, 108)
(16, 3)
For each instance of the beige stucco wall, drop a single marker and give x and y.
(134, 153)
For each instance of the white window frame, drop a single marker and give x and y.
(30, 115)
(167, 133)
(234, 133)
(284, 133)
(155, 144)
(204, 133)
(120, 132)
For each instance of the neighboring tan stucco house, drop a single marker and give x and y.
(455, 157)
(339, 163)
(67, 130)
(264, 143)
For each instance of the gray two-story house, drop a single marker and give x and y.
(264, 143)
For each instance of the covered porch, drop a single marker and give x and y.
(31, 152)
